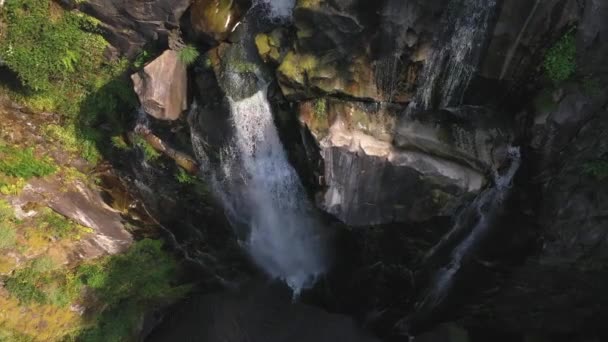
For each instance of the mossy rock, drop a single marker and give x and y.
(269, 45)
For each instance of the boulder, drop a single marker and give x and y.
(473, 136)
(162, 86)
(129, 25)
(214, 18)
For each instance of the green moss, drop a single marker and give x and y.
(560, 60)
(295, 66)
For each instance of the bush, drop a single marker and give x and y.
(188, 54)
(560, 60)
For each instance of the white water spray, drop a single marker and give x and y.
(278, 9)
(262, 190)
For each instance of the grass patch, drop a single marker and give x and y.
(560, 60)
(188, 54)
(23, 163)
(70, 139)
(8, 236)
(55, 225)
(150, 153)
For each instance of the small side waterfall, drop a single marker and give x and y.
(485, 208)
(456, 55)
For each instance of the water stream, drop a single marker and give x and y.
(263, 196)
(485, 207)
(456, 55)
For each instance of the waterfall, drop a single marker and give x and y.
(485, 207)
(277, 9)
(264, 198)
(455, 58)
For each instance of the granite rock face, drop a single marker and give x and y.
(162, 86)
(129, 25)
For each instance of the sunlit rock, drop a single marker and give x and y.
(162, 86)
(214, 18)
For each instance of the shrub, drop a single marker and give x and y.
(188, 54)
(560, 60)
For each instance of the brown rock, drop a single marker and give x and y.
(162, 86)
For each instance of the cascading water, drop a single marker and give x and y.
(485, 207)
(456, 56)
(277, 9)
(262, 192)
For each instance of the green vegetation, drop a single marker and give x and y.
(69, 136)
(58, 226)
(320, 108)
(128, 284)
(59, 57)
(597, 169)
(150, 153)
(560, 60)
(295, 66)
(188, 54)
(184, 177)
(124, 286)
(8, 235)
(20, 162)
